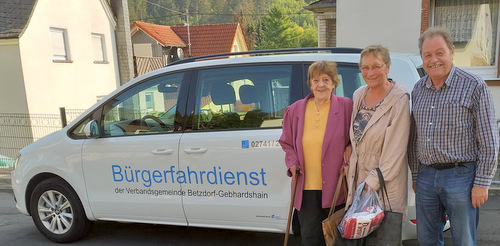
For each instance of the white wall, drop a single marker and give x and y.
(394, 24)
(239, 41)
(12, 96)
(75, 85)
(495, 92)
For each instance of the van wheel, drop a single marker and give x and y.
(57, 211)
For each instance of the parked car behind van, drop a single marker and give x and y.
(190, 144)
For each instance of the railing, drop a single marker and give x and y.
(335, 50)
(19, 130)
(147, 64)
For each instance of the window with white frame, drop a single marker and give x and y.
(99, 47)
(474, 26)
(59, 40)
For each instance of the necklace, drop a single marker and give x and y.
(374, 107)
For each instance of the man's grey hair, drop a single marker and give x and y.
(435, 31)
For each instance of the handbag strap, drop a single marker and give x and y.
(337, 190)
(383, 188)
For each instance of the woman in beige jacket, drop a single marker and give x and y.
(379, 131)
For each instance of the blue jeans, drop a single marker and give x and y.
(446, 192)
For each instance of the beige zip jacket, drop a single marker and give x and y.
(383, 144)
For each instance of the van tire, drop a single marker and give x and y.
(57, 211)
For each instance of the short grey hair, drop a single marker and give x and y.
(378, 51)
(327, 67)
(435, 31)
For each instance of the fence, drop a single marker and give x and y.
(19, 130)
(147, 64)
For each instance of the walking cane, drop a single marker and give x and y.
(291, 208)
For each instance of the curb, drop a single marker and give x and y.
(5, 182)
(5, 190)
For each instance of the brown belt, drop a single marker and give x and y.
(442, 166)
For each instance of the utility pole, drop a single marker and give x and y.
(189, 34)
(187, 21)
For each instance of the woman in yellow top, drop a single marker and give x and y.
(315, 134)
(379, 131)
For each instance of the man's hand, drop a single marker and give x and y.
(479, 196)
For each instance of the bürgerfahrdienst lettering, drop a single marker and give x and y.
(215, 176)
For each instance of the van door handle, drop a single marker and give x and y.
(162, 151)
(195, 150)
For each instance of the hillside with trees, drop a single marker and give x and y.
(266, 24)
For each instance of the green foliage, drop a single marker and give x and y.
(255, 18)
(276, 30)
(309, 37)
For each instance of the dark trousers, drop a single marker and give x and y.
(310, 217)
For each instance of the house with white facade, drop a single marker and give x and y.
(56, 53)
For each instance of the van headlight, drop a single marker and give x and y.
(16, 161)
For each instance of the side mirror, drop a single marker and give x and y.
(91, 129)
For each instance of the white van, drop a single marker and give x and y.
(190, 144)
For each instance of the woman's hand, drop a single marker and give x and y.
(367, 188)
(295, 169)
(347, 153)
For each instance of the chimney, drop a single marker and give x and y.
(123, 40)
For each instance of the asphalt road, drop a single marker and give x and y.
(17, 229)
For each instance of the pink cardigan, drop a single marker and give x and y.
(335, 140)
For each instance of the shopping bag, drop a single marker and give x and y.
(363, 217)
(389, 231)
(330, 223)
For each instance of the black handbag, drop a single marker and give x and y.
(389, 231)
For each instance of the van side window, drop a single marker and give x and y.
(147, 108)
(242, 97)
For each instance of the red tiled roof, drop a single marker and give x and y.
(163, 34)
(208, 39)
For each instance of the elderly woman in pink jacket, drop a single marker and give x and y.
(379, 131)
(315, 134)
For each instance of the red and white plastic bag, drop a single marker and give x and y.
(364, 216)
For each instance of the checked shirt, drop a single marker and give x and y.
(454, 123)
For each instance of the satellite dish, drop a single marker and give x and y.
(180, 53)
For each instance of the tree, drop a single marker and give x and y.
(277, 30)
(244, 16)
(138, 10)
(309, 37)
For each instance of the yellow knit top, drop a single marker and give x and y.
(312, 143)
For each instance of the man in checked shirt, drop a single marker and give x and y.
(453, 145)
